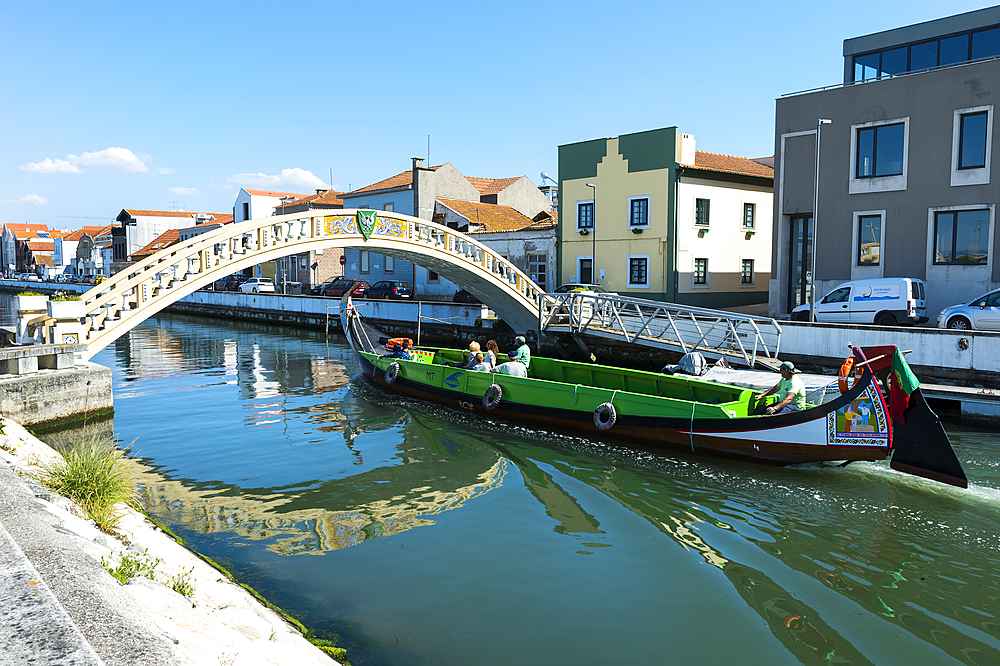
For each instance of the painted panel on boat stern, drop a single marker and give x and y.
(424, 535)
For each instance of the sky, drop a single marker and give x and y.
(177, 105)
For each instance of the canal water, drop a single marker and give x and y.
(421, 535)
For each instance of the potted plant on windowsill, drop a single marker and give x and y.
(584, 232)
(636, 230)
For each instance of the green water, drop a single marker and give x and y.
(421, 535)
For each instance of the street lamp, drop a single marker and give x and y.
(812, 281)
(593, 221)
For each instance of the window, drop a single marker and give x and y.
(389, 207)
(584, 215)
(638, 271)
(701, 212)
(585, 269)
(953, 50)
(869, 240)
(880, 151)
(986, 43)
(433, 277)
(746, 272)
(972, 140)
(961, 237)
(538, 269)
(923, 56)
(390, 264)
(839, 296)
(364, 261)
(700, 275)
(638, 211)
(749, 214)
(246, 211)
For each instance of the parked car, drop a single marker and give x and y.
(393, 289)
(982, 313)
(338, 286)
(258, 284)
(230, 282)
(584, 288)
(98, 279)
(463, 296)
(881, 301)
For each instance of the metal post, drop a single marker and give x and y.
(418, 322)
(812, 281)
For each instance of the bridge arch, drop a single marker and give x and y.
(152, 284)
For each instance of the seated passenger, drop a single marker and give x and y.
(401, 351)
(523, 352)
(492, 353)
(512, 367)
(481, 363)
(473, 349)
(791, 393)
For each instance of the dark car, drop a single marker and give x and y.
(463, 296)
(337, 287)
(230, 282)
(389, 289)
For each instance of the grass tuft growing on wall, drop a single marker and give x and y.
(94, 474)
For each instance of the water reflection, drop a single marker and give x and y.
(258, 447)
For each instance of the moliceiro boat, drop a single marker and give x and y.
(670, 411)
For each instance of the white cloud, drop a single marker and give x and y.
(288, 179)
(50, 166)
(185, 191)
(109, 159)
(166, 171)
(28, 199)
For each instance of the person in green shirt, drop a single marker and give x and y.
(791, 392)
(523, 353)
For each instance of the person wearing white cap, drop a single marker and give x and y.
(791, 392)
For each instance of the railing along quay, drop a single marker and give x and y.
(715, 333)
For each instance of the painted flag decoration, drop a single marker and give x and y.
(902, 383)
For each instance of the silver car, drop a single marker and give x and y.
(981, 314)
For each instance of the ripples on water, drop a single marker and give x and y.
(424, 535)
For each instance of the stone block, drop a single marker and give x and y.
(57, 361)
(22, 365)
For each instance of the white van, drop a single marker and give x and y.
(882, 301)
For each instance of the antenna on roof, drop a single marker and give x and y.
(428, 151)
(331, 179)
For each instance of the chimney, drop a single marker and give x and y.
(686, 149)
(321, 191)
(418, 162)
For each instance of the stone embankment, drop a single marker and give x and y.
(61, 606)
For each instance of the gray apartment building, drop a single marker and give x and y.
(905, 188)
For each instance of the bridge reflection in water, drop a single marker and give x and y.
(555, 545)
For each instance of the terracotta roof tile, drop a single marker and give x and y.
(731, 164)
(399, 180)
(327, 198)
(166, 239)
(40, 245)
(488, 186)
(489, 218)
(170, 213)
(93, 232)
(273, 193)
(22, 231)
(44, 260)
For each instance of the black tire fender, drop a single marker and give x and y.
(392, 372)
(493, 396)
(605, 416)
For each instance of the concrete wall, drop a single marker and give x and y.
(50, 396)
(928, 102)
(524, 196)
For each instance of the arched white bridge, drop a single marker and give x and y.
(128, 298)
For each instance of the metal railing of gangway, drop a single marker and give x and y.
(660, 324)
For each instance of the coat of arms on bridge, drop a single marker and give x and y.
(366, 220)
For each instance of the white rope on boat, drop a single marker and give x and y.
(691, 425)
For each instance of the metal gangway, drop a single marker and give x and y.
(744, 339)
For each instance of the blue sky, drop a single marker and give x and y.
(177, 105)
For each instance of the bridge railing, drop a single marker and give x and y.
(642, 321)
(150, 284)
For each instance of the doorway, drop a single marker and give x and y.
(799, 260)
